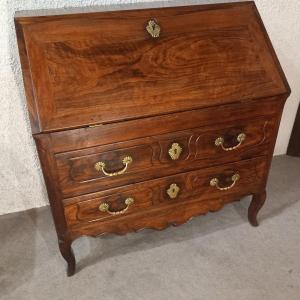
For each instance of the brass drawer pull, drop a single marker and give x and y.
(173, 191)
(153, 29)
(215, 182)
(100, 166)
(240, 139)
(104, 207)
(175, 151)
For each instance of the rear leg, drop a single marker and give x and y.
(256, 204)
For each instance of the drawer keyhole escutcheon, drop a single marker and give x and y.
(215, 182)
(240, 139)
(173, 191)
(104, 207)
(175, 151)
(153, 29)
(100, 167)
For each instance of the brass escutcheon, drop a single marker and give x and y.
(153, 29)
(173, 191)
(175, 151)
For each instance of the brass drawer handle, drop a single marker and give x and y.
(240, 139)
(153, 29)
(215, 182)
(175, 151)
(173, 191)
(100, 166)
(104, 207)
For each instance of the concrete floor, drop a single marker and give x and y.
(217, 256)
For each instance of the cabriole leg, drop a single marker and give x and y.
(66, 251)
(256, 204)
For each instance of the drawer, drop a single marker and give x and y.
(108, 166)
(108, 67)
(231, 180)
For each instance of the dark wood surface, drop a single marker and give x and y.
(211, 73)
(76, 139)
(77, 173)
(153, 193)
(82, 68)
(294, 144)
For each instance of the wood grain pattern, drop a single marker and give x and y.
(83, 68)
(193, 185)
(171, 215)
(49, 171)
(70, 140)
(212, 73)
(31, 103)
(77, 173)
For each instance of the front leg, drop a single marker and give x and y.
(256, 204)
(67, 253)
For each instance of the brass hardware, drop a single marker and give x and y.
(240, 139)
(96, 125)
(215, 182)
(173, 191)
(104, 207)
(100, 166)
(175, 151)
(153, 29)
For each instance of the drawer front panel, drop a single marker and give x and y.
(103, 167)
(234, 180)
(106, 164)
(113, 205)
(77, 139)
(107, 67)
(235, 138)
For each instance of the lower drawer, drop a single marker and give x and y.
(230, 180)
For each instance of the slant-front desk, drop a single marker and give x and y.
(146, 118)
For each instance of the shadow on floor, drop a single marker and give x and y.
(18, 250)
(282, 192)
(28, 238)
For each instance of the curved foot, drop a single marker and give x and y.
(67, 253)
(256, 204)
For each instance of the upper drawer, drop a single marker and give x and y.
(104, 67)
(108, 166)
